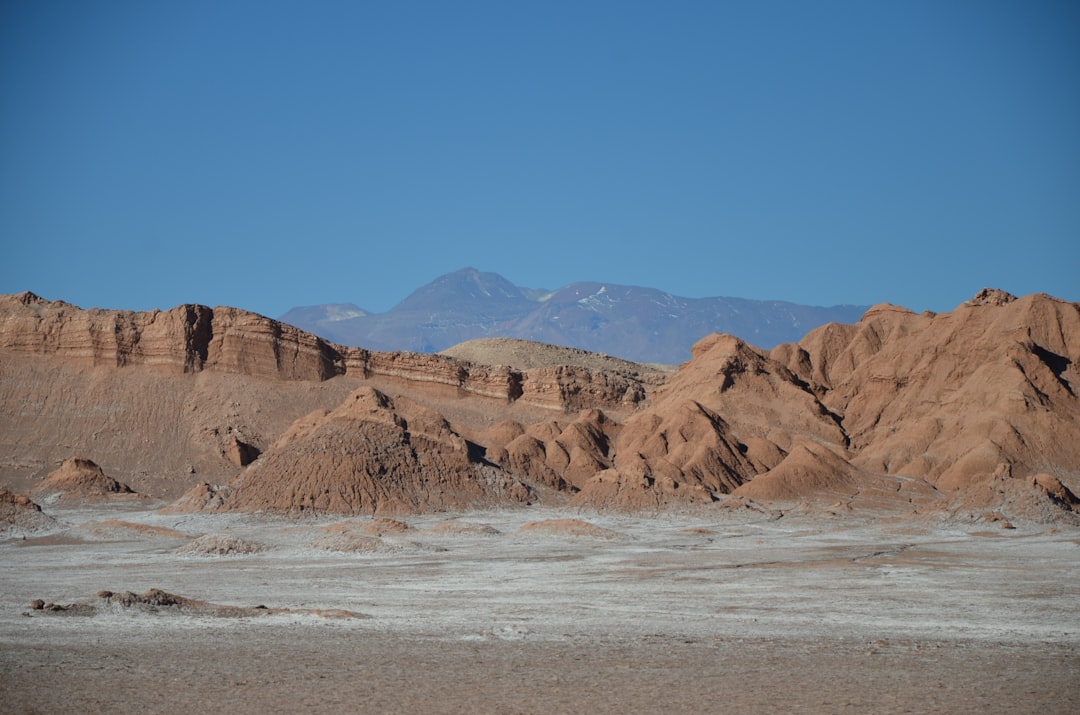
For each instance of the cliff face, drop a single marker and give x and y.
(194, 338)
(189, 338)
(962, 410)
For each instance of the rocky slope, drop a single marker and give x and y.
(641, 324)
(965, 412)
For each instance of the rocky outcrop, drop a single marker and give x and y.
(194, 338)
(729, 414)
(188, 338)
(900, 403)
(81, 478)
(20, 515)
(953, 398)
(371, 455)
(554, 453)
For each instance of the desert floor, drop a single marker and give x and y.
(733, 611)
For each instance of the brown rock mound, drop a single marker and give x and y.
(897, 404)
(380, 526)
(808, 469)
(81, 479)
(373, 454)
(1055, 491)
(19, 514)
(730, 414)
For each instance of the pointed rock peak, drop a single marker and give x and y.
(719, 344)
(592, 415)
(992, 296)
(26, 298)
(465, 290)
(368, 398)
(83, 476)
(885, 309)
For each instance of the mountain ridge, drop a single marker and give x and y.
(631, 322)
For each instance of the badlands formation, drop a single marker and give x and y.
(970, 412)
(204, 510)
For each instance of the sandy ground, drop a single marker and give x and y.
(729, 612)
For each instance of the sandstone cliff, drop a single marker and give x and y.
(195, 338)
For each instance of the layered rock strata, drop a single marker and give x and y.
(195, 338)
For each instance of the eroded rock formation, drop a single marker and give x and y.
(195, 338)
(371, 455)
(80, 478)
(900, 410)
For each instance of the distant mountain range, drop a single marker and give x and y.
(631, 322)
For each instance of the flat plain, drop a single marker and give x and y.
(732, 610)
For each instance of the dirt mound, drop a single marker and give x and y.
(373, 454)
(81, 478)
(158, 602)
(567, 528)
(203, 496)
(810, 469)
(20, 515)
(1055, 491)
(220, 545)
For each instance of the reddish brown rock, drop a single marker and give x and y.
(947, 398)
(194, 338)
(370, 455)
(563, 455)
(81, 479)
(19, 514)
(962, 408)
(809, 468)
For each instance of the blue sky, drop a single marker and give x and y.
(274, 154)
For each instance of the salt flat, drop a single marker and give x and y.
(690, 612)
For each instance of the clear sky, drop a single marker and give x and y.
(273, 154)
